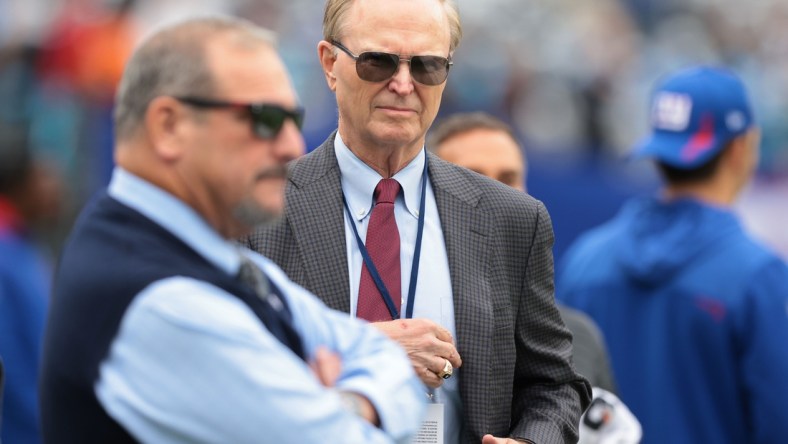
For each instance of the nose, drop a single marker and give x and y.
(289, 143)
(402, 82)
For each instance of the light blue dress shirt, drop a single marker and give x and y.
(192, 363)
(434, 300)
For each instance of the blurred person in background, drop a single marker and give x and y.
(694, 311)
(28, 201)
(163, 329)
(87, 46)
(78, 66)
(387, 63)
(487, 145)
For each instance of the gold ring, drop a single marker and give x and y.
(447, 371)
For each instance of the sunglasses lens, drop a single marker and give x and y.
(376, 66)
(298, 117)
(429, 70)
(269, 120)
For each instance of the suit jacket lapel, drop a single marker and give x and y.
(315, 212)
(465, 231)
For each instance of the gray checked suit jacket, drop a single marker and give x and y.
(517, 379)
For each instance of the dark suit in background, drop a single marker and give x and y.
(588, 346)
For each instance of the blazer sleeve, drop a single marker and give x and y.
(549, 395)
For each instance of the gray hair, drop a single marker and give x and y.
(172, 62)
(335, 11)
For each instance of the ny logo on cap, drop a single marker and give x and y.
(671, 111)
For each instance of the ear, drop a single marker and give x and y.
(744, 150)
(165, 122)
(325, 52)
(741, 159)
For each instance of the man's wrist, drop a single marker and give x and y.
(360, 405)
(351, 402)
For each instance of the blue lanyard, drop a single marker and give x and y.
(414, 271)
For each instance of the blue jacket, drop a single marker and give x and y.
(24, 295)
(695, 316)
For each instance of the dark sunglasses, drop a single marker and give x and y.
(267, 119)
(380, 66)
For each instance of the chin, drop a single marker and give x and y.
(395, 135)
(250, 213)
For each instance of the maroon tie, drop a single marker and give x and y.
(383, 247)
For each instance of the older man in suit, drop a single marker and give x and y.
(429, 251)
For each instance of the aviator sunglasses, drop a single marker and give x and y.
(380, 66)
(267, 119)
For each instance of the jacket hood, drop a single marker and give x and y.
(658, 238)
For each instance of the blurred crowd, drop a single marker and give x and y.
(571, 77)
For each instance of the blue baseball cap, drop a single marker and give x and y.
(694, 114)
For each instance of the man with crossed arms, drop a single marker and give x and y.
(162, 329)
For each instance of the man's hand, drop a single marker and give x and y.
(489, 439)
(428, 345)
(327, 366)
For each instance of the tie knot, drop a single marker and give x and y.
(386, 191)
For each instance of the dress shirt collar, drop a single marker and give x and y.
(359, 181)
(176, 217)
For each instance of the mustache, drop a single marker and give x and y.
(274, 172)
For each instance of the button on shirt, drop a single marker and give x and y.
(193, 363)
(433, 298)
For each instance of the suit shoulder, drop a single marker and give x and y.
(507, 201)
(312, 166)
(479, 190)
